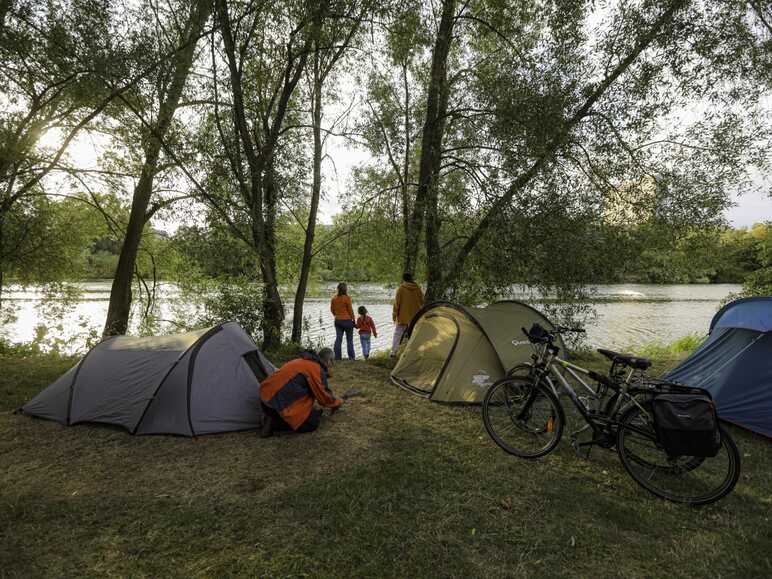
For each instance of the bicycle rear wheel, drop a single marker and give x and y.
(523, 418)
(682, 479)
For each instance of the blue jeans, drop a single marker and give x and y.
(346, 326)
(364, 339)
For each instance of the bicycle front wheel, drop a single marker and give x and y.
(681, 479)
(523, 418)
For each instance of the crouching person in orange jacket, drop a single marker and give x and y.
(287, 396)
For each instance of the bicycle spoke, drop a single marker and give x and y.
(515, 413)
(510, 426)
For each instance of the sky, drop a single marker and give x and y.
(751, 207)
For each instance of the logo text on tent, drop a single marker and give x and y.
(520, 343)
(481, 380)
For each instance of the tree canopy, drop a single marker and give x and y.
(550, 143)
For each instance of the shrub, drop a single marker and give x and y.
(238, 299)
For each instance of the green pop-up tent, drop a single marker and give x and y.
(454, 353)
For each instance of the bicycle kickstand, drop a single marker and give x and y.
(577, 446)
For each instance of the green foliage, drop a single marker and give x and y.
(221, 300)
(53, 57)
(46, 240)
(18, 349)
(366, 247)
(678, 348)
(49, 343)
(68, 240)
(528, 126)
(715, 255)
(214, 251)
(519, 74)
(101, 265)
(759, 282)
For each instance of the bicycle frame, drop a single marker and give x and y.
(524, 414)
(546, 370)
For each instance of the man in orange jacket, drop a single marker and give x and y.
(407, 302)
(287, 396)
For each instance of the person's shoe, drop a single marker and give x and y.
(266, 428)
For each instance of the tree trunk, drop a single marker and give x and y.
(406, 159)
(323, 66)
(273, 309)
(2, 261)
(316, 189)
(119, 308)
(435, 290)
(431, 139)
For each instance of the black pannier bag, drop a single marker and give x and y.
(687, 424)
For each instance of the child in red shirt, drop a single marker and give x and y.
(366, 327)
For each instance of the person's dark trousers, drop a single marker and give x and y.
(279, 425)
(346, 326)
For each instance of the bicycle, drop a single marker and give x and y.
(524, 415)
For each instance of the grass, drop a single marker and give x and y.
(392, 486)
(675, 350)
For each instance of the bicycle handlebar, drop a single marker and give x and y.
(566, 330)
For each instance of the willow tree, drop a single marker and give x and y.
(426, 195)
(392, 118)
(563, 107)
(334, 36)
(265, 49)
(666, 94)
(156, 107)
(47, 57)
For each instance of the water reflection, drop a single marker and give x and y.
(628, 314)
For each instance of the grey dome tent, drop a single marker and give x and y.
(735, 364)
(453, 353)
(200, 382)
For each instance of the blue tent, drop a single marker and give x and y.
(735, 364)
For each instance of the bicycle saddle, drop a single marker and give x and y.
(626, 359)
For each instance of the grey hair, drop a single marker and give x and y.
(325, 355)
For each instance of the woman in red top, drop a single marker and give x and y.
(366, 326)
(344, 321)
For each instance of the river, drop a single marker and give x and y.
(628, 315)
